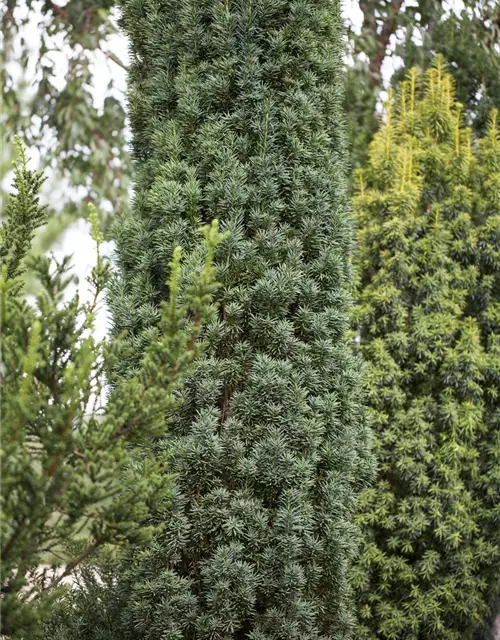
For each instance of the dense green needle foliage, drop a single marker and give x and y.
(235, 108)
(429, 321)
(72, 476)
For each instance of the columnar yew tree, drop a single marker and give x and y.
(428, 213)
(235, 112)
(486, 307)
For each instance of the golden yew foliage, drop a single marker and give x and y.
(428, 316)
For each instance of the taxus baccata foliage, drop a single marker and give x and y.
(235, 109)
(427, 208)
(73, 479)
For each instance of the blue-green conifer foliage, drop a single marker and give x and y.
(235, 107)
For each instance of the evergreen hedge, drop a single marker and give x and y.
(429, 321)
(235, 109)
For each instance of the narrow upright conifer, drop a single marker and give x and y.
(429, 322)
(235, 112)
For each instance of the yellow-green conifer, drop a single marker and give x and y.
(428, 317)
